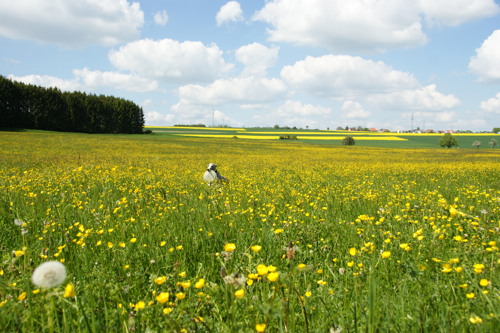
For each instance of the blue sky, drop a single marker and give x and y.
(316, 63)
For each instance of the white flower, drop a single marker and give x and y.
(49, 274)
(18, 222)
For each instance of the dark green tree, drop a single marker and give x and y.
(348, 141)
(448, 140)
(496, 130)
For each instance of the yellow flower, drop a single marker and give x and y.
(453, 212)
(185, 285)
(249, 282)
(3, 303)
(179, 247)
(19, 253)
(260, 327)
(463, 286)
(160, 280)
(457, 238)
(483, 282)
(240, 293)
(182, 274)
(475, 320)
(458, 269)
(69, 291)
(36, 291)
(162, 297)
(167, 310)
(126, 266)
(273, 276)
(122, 244)
(262, 269)
(308, 294)
(22, 296)
(139, 305)
(386, 254)
(271, 268)
(163, 243)
(256, 248)
(471, 295)
(352, 251)
(321, 282)
(350, 264)
(200, 284)
(133, 240)
(110, 245)
(229, 247)
(171, 249)
(180, 295)
(454, 261)
(99, 243)
(1, 272)
(446, 268)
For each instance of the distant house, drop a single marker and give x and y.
(384, 130)
(449, 131)
(373, 129)
(430, 131)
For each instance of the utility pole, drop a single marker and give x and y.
(412, 122)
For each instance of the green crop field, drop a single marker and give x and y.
(120, 233)
(369, 139)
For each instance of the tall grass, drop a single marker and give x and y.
(351, 239)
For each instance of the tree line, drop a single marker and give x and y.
(33, 107)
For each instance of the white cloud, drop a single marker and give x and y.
(345, 77)
(161, 18)
(344, 26)
(197, 114)
(256, 58)
(231, 11)
(158, 119)
(147, 102)
(86, 79)
(72, 24)
(170, 61)
(492, 105)
(354, 110)
(246, 90)
(364, 26)
(455, 12)
(296, 108)
(486, 63)
(48, 81)
(427, 98)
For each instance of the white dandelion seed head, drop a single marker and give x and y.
(18, 222)
(24, 231)
(49, 274)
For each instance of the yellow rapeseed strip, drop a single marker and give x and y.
(199, 128)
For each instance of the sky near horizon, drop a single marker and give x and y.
(315, 63)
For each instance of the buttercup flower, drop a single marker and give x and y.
(256, 248)
(239, 293)
(200, 284)
(229, 247)
(162, 297)
(160, 280)
(69, 291)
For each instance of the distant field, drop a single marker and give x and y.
(386, 140)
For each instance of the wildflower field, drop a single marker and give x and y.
(120, 233)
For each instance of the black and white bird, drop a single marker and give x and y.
(212, 176)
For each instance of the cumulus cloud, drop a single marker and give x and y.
(147, 102)
(242, 90)
(354, 110)
(486, 64)
(85, 79)
(455, 12)
(71, 24)
(256, 58)
(417, 99)
(344, 26)
(364, 26)
(161, 18)
(158, 119)
(345, 77)
(199, 114)
(230, 12)
(492, 105)
(169, 61)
